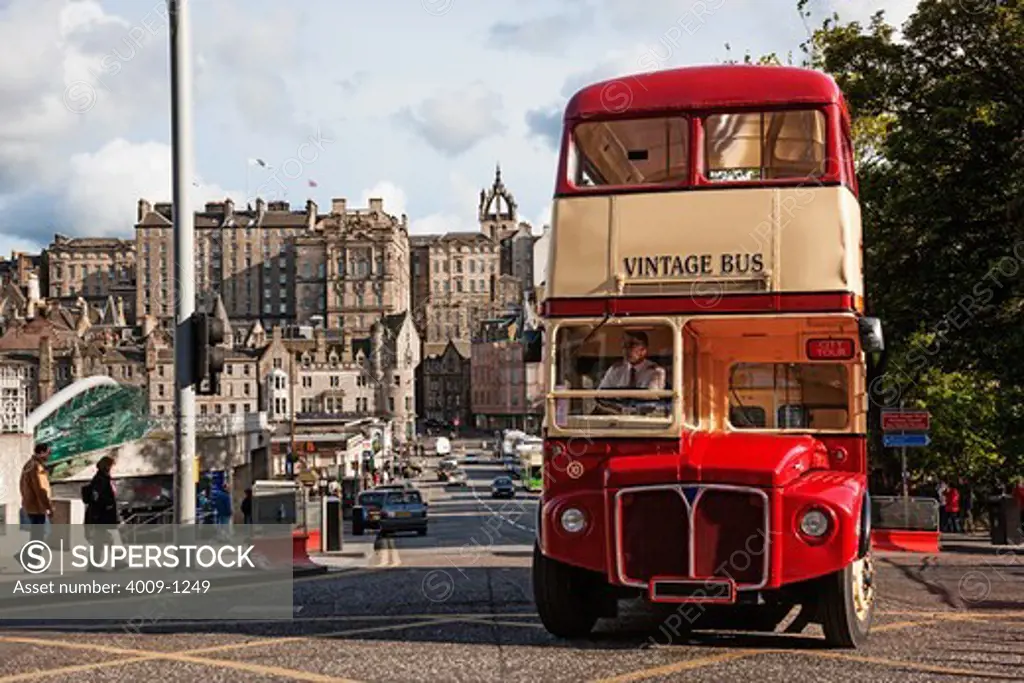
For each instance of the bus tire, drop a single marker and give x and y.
(847, 604)
(563, 597)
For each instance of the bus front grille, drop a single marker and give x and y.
(692, 531)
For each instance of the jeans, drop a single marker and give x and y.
(37, 528)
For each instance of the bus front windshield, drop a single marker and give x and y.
(627, 371)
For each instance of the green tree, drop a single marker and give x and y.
(939, 131)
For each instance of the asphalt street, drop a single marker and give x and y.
(456, 605)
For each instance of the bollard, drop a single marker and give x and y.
(330, 525)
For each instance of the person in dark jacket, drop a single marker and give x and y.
(247, 507)
(101, 513)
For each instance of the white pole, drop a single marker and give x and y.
(184, 266)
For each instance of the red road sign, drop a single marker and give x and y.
(906, 421)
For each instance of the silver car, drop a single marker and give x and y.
(403, 511)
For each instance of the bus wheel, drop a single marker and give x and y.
(848, 603)
(564, 597)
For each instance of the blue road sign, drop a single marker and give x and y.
(892, 440)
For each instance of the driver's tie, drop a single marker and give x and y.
(632, 377)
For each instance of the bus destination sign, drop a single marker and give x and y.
(693, 265)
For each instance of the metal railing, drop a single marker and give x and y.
(155, 527)
(912, 514)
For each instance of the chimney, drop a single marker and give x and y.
(310, 214)
(276, 334)
(144, 208)
(261, 209)
(338, 206)
(377, 204)
(229, 208)
(33, 288)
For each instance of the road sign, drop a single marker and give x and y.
(905, 440)
(906, 421)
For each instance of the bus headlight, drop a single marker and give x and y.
(573, 520)
(814, 523)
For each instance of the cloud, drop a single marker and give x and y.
(546, 124)
(896, 11)
(441, 223)
(454, 121)
(542, 35)
(103, 188)
(393, 196)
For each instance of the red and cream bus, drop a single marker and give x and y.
(707, 355)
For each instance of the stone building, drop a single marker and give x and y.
(445, 381)
(20, 268)
(507, 392)
(463, 278)
(343, 269)
(91, 268)
(322, 379)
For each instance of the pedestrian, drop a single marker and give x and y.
(966, 506)
(36, 498)
(940, 496)
(952, 508)
(247, 507)
(221, 501)
(101, 516)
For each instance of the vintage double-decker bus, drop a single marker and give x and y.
(707, 355)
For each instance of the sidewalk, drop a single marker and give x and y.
(356, 551)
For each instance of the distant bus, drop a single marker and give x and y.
(531, 458)
(442, 446)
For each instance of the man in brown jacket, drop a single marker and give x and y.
(35, 492)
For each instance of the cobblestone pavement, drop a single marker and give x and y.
(456, 605)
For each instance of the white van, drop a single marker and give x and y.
(443, 446)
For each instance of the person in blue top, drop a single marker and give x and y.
(222, 504)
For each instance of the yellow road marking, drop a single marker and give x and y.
(192, 656)
(916, 666)
(489, 622)
(687, 665)
(316, 636)
(77, 668)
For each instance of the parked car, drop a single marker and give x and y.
(457, 478)
(403, 511)
(502, 487)
(400, 486)
(471, 459)
(367, 512)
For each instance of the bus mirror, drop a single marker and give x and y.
(533, 346)
(871, 339)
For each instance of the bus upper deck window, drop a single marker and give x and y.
(649, 151)
(765, 145)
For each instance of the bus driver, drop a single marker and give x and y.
(634, 371)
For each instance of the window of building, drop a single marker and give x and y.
(765, 145)
(649, 151)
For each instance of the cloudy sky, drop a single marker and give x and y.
(410, 100)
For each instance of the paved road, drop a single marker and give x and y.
(456, 606)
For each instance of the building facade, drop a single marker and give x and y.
(342, 269)
(89, 268)
(506, 390)
(445, 381)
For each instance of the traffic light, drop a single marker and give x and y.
(208, 358)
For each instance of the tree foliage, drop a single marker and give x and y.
(939, 133)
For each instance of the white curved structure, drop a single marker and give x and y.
(52, 404)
